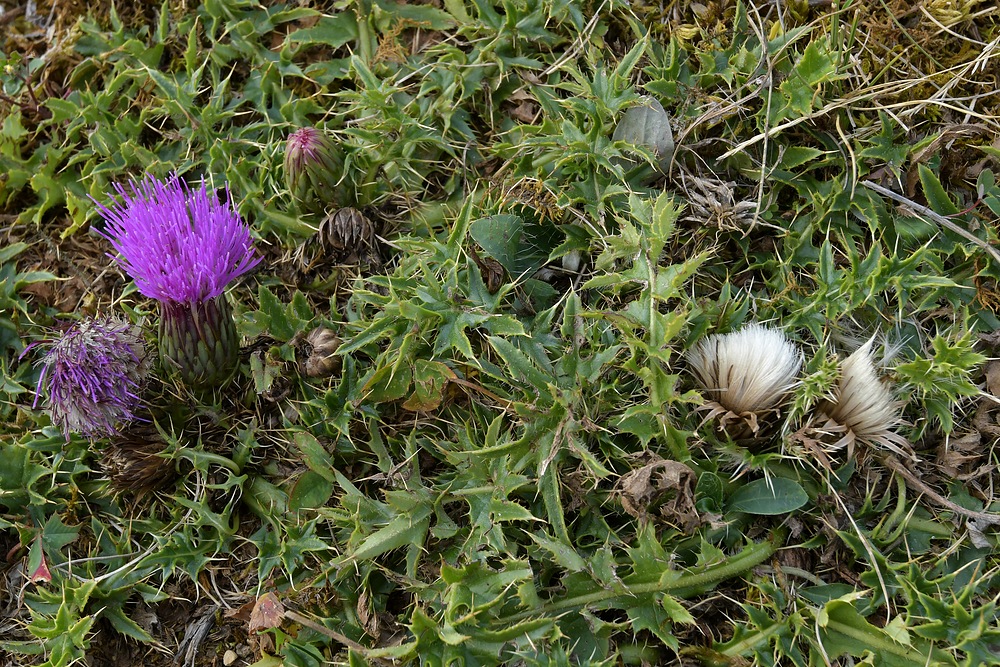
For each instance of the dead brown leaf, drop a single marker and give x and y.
(993, 378)
(522, 106)
(491, 270)
(267, 613)
(660, 484)
(956, 453)
(367, 618)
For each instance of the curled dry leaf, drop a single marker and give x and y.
(267, 613)
(993, 378)
(491, 270)
(367, 616)
(660, 484)
(958, 453)
(522, 106)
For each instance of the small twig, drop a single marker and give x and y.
(894, 464)
(34, 107)
(485, 391)
(195, 633)
(332, 634)
(323, 630)
(11, 14)
(936, 217)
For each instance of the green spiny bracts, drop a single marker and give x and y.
(313, 169)
(198, 341)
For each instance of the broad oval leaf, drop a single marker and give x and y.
(776, 495)
(648, 126)
(310, 491)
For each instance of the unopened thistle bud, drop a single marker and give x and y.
(321, 347)
(135, 461)
(183, 248)
(746, 373)
(313, 168)
(94, 374)
(863, 405)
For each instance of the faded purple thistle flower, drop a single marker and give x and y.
(183, 248)
(312, 168)
(95, 373)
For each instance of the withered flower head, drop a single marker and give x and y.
(863, 404)
(321, 349)
(134, 462)
(747, 371)
(94, 374)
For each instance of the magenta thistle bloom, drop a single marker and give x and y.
(178, 245)
(183, 248)
(95, 374)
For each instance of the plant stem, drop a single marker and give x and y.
(894, 464)
(683, 586)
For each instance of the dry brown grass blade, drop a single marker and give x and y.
(912, 480)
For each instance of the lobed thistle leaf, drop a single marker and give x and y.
(94, 374)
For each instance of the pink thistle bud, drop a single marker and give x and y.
(313, 168)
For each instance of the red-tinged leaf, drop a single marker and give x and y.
(37, 565)
(430, 379)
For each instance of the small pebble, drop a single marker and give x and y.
(229, 657)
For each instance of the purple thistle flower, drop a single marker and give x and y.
(178, 245)
(183, 248)
(95, 374)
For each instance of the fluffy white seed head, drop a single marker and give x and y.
(747, 371)
(863, 403)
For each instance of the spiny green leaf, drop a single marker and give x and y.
(936, 195)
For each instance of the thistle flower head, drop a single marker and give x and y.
(747, 371)
(95, 373)
(864, 405)
(322, 344)
(136, 461)
(178, 245)
(312, 167)
(304, 145)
